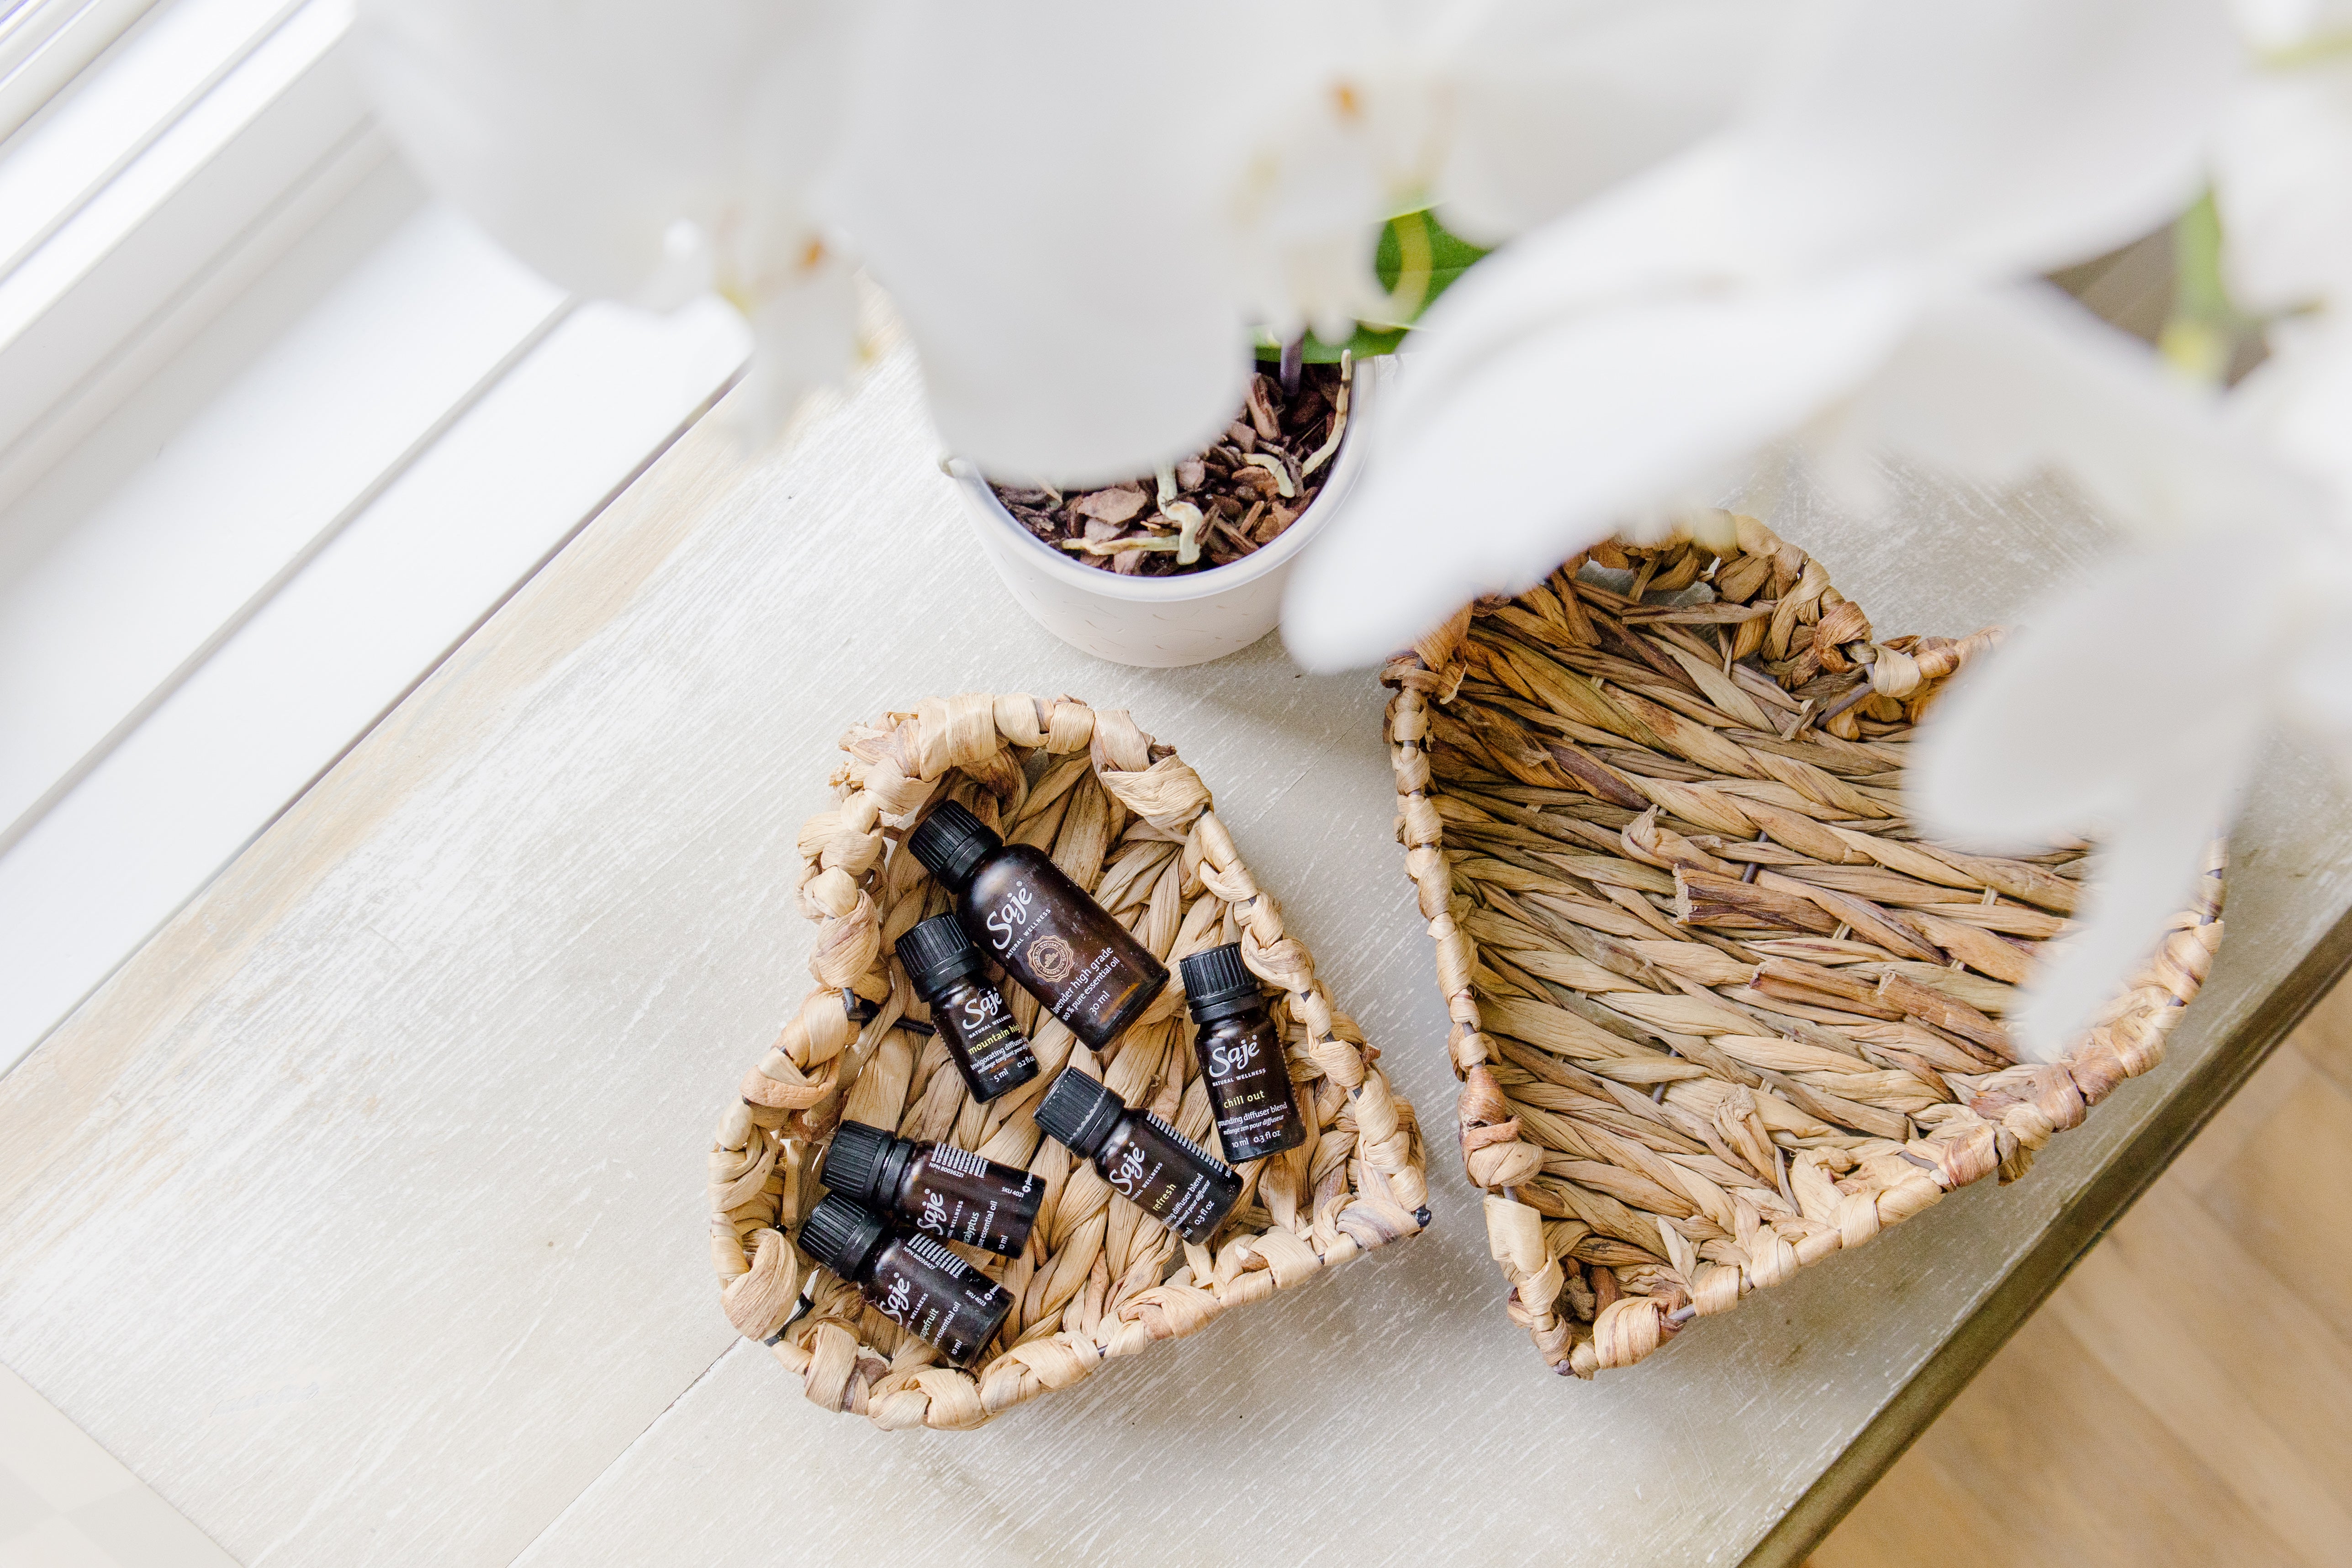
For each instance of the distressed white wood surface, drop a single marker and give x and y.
(362, 1213)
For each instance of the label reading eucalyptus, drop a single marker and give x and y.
(959, 1197)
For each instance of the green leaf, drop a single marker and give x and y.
(1366, 340)
(1451, 256)
(1440, 257)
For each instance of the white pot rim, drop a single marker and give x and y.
(1184, 587)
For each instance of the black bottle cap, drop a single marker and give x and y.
(839, 1233)
(951, 842)
(1217, 984)
(852, 1161)
(1078, 1113)
(937, 951)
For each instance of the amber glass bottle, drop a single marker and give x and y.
(1146, 1161)
(1250, 1096)
(914, 1281)
(1059, 944)
(936, 1188)
(950, 974)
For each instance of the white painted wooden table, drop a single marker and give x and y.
(362, 1214)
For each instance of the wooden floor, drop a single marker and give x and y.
(2186, 1397)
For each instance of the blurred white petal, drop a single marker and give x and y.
(801, 338)
(2000, 385)
(580, 134)
(2158, 661)
(2143, 874)
(1553, 101)
(1026, 180)
(2001, 136)
(2289, 24)
(2316, 682)
(2130, 710)
(2282, 181)
(1549, 442)
(1320, 163)
(2299, 401)
(1686, 226)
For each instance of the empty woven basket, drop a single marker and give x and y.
(1718, 1011)
(1126, 817)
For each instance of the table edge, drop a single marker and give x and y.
(2078, 1228)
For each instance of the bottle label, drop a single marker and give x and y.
(939, 1257)
(1094, 989)
(1181, 1141)
(989, 1051)
(985, 1029)
(958, 1162)
(937, 1297)
(1250, 1094)
(962, 1197)
(1066, 951)
(1172, 1180)
(1010, 918)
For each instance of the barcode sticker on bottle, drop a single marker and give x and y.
(1186, 1143)
(930, 1251)
(958, 1162)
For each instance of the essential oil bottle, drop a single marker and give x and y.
(936, 1188)
(914, 1281)
(1250, 1096)
(950, 974)
(1146, 1161)
(1062, 947)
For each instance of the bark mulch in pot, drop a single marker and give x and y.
(1232, 499)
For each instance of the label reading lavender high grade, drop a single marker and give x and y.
(1056, 943)
(1072, 957)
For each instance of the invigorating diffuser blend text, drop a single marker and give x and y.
(951, 974)
(1146, 1161)
(1059, 944)
(934, 1189)
(1250, 1095)
(915, 1281)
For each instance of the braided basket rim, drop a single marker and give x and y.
(1167, 867)
(1991, 1121)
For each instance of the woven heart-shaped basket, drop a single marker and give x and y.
(1718, 1011)
(1127, 819)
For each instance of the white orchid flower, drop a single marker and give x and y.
(2137, 703)
(1842, 241)
(1546, 103)
(1082, 213)
(637, 153)
(2133, 707)
(1506, 113)
(1839, 271)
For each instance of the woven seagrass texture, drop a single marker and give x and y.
(1127, 819)
(1718, 1011)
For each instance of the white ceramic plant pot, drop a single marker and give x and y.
(1162, 622)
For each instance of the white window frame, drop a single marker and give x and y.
(45, 44)
(135, 231)
(191, 146)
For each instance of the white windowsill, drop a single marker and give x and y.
(276, 432)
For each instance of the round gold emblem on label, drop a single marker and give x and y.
(1051, 958)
